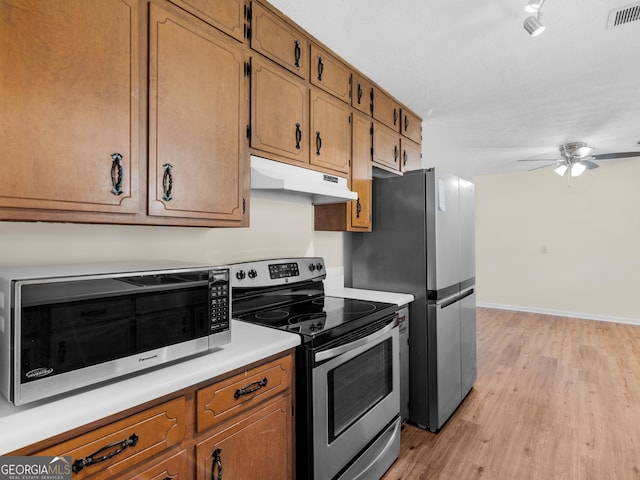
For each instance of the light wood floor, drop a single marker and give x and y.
(556, 398)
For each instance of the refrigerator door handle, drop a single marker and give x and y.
(456, 297)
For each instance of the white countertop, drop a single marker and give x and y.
(27, 424)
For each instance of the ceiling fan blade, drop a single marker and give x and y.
(546, 166)
(589, 165)
(612, 156)
(538, 160)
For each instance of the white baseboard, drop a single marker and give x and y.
(545, 311)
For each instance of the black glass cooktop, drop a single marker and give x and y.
(314, 317)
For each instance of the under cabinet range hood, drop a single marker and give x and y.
(322, 187)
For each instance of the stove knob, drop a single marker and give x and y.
(319, 266)
(240, 274)
(252, 273)
(312, 267)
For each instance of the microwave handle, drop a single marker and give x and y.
(340, 349)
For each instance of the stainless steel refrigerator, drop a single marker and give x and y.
(423, 242)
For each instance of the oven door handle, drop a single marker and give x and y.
(339, 350)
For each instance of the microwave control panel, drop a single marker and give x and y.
(219, 294)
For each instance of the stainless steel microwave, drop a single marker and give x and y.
(64, 328)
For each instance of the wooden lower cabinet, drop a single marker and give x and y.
(138, 437)
(239, 422)
(256, 447)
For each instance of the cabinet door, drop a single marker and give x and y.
(330, 133)
(385, 109)
(198, 115)
(255, 447)
(411, 158)
(361, 175)
(226, 15)
(411, 126)
(386, 147)
(279, 41)
(330, 74)
(279, 112)
(361, 90)
(70, 104)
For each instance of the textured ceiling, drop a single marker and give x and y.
(488, 92)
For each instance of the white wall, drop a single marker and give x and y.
(281, 225)
(574, 250)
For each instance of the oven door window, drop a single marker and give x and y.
(357, 386)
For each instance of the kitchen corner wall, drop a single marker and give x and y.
(281, 225)
(549, 247)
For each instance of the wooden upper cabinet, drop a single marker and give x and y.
(279, 40)
(411, 158)
(354, 215)
(279, 112)
(198, 116)
(330, 133)
(226, 15)
(411, 126)
(361, 91)
(70, 98)
(361, 175)
(330, 74)
(386, 148)
(386, 109)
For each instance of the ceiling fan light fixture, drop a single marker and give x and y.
(577, 169)
(533, 6)
(561, 170)
(533, 26)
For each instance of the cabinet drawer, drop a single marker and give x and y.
(138, 437)
(279, 41)
(175, 467)
(411, 126)
(240, 392)
(328, 73)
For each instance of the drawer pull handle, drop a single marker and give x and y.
(217, 462)
(79, 464)
(252, 387)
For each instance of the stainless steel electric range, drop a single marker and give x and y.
(347, 367)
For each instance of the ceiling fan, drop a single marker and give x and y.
(576, 157)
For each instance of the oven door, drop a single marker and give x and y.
(356, 395)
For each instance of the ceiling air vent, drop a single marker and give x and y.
(622, 15)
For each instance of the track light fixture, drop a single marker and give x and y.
(533, 25)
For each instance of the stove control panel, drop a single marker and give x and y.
(265, 273)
